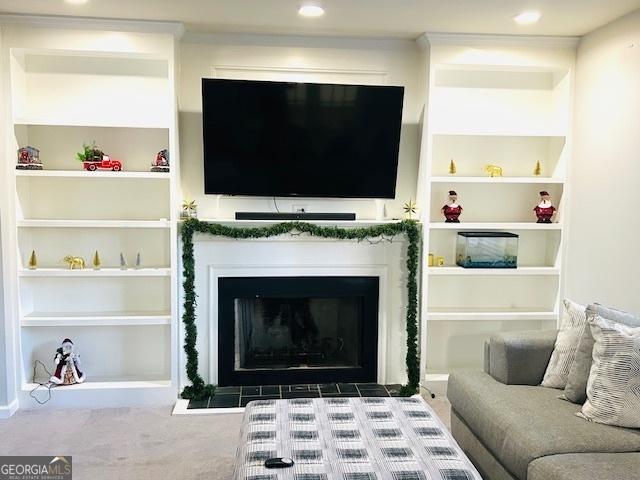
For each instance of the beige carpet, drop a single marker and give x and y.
(135, 443)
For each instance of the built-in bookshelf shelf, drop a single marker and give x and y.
(498, 131)
(103, 272)
(489, 272)
(498, 180)
(72, 121)
(462, 226)
(510, 108)
(45, 223)
(97, 384)
(497, 315)
(49, 319)
(120, 96)
(99, 174)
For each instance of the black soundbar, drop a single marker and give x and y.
(294, 216)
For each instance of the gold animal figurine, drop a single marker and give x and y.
(493, 170)
(74, 262)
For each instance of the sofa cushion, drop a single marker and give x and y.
(519, 423)
(574, 319)
(613, 389)
(597, 466)
(576, 388)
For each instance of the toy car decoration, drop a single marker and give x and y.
(93, 159)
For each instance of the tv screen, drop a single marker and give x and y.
(300, 139)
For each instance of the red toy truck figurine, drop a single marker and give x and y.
(93, 159)
(105, 164)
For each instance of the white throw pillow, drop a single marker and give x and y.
(613, 389)
(574, 319)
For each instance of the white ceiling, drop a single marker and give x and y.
(398, 18)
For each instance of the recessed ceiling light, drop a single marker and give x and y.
(527, 18)
(76, 2)
(311, 9)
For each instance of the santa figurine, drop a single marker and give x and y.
(67, 365)
(544, 210)
(452, 210)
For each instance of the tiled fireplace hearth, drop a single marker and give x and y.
(294, 310)
(234, 397)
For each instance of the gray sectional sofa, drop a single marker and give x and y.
(512, 428)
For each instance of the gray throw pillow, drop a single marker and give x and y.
(613, 389)
(573, 321)
(576, 389)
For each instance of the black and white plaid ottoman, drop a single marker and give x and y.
(349, 439)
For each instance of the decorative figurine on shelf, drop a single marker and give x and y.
(452, 168)
(138, 260)
(537, 171)
(67, 365)
(410, 209)
(74, 262)
(189, 209)
(161, 163)
(493, 170)
(28, 159)
(123, 262)
(544, 210)
(439, 261)
(93, 159)
(33, 260)
(96, 261)
(452, 210)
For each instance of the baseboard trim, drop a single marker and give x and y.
(7, 411)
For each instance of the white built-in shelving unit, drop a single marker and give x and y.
(115, 88)
(503, 101)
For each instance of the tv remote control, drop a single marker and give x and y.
(278, 462)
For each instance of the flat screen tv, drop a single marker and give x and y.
(300, 139)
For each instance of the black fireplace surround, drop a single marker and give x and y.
(297, 330)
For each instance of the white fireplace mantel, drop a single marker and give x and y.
(301, 256)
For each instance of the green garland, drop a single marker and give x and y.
(198, 389)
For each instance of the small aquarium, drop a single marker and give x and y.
(487, 250)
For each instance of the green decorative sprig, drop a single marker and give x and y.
(198, 389)
(89, 152)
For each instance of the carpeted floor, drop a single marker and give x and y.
(135, 443)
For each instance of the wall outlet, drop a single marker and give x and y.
(300, 209)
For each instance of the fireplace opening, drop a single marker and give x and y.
(292, 330)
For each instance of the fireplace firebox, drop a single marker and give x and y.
(297, 330)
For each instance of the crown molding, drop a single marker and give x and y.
(310, 41)
(470, 39)
(423, 42)
(92, 23)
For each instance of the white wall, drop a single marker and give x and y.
(4, 180)
(3, 373)
(394, 62)
(603, 257)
